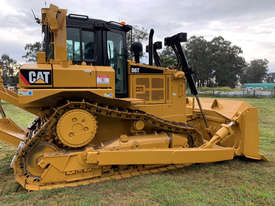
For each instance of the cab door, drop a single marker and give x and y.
(117, 57)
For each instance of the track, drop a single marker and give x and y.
(40, 127)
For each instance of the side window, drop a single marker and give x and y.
(88, 45)
(116, 56)
(80, 45)
(73, 44)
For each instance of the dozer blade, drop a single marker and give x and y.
(10, 132)
(250, 134)
(245, 131)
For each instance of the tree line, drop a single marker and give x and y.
(9, 70)
(215, 63)
(218, 63)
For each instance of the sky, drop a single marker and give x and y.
(249, 24)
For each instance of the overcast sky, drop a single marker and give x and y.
(249, 24)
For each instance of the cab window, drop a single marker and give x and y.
(116, 57)
(88, 45)
(80, 45)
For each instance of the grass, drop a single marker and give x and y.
(237, 182)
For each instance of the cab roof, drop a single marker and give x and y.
(83, 21)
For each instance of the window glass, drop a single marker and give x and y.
(88, 45)
(110, 47)
(73, 44)
(70, 49)
(77, 51)
(74, 47)
(115, 49)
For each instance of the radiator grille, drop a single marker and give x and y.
(157, 83)
(157, 95)
(143, 81)
(150, 88)
(144, 96)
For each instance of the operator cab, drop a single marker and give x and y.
(98, 43)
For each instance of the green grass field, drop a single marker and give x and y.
(237, 182)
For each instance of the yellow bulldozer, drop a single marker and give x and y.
(101, 116)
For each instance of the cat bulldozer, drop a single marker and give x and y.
(101, 116)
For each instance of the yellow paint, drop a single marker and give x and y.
(76, 128)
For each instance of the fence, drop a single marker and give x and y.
(242, 93)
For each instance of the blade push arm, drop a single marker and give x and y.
(183, 65)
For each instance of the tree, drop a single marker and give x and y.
(270, 77)
(216, 62)
(168, 57)
(31, 50)
(226, 62)
(138, 34)
(200, 57)
(9, 70)
(255, 72)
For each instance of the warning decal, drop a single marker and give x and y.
(103, 79)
